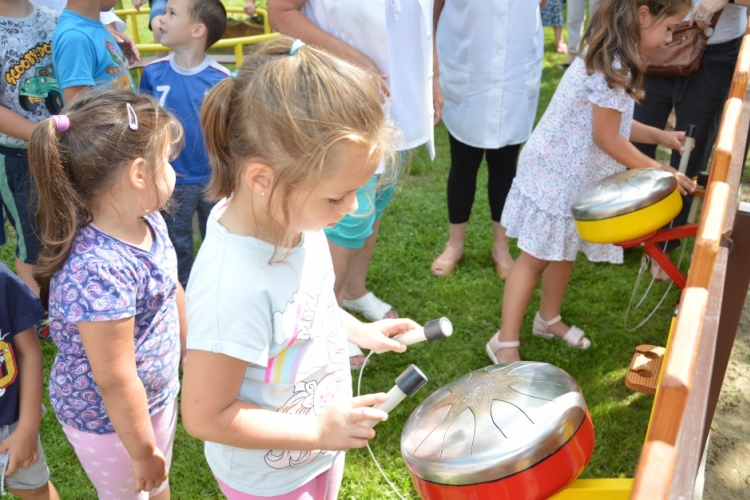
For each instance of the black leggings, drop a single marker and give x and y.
(462, 179)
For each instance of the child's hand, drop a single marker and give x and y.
(137, 4)
(673, 140)
(338, 427)
(684, 183)
(376, 336)
(21, 446)
(149, 472)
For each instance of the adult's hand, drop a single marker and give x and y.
(437, 100)
(137, 4)
(127, 45)
(286, 17)
(249, 7)
(703, 12)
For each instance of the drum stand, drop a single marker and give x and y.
(653, 249)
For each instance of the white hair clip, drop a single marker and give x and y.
(132, 117)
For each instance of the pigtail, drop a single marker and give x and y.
(60, 209)
(215, 122)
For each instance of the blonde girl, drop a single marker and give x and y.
(583, 136)
(267, 384)
(108, 273)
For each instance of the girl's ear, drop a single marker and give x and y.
(259, 178)
(644, 15)
(138, 175)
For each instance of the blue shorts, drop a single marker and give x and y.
(17, 202)
(158, 8)
(354, 229)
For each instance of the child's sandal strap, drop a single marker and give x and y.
(506, 345)
(554, 320)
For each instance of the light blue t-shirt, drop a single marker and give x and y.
(181, 91)
(84, 53)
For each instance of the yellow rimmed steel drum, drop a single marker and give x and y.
(626, 205)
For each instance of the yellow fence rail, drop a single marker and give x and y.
(131, 15)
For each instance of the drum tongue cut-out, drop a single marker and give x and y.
(516, 431)
(626, 205)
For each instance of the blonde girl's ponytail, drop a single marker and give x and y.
(215, 121)
(60, 209)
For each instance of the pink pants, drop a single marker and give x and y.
(107, 463)
(312, 490)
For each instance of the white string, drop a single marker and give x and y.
(645, 260)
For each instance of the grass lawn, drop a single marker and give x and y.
(413, 232)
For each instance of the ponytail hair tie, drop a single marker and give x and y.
(296, 46)
(62, 122)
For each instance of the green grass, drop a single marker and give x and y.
(413, 232)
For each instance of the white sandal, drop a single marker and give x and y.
(572, 337)
(493, 345)
(370, 306)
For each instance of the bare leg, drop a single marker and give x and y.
(562, 47)
(519, 287)
(342, 258)
(500, 249)
(356, 281)
(46, 492)
(164, 495)
(554, 283)
(23, 271)
(454, 249)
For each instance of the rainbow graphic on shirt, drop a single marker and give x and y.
(283, 368)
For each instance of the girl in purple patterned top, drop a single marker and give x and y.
(108, 273)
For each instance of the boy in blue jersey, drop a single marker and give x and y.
(179, 81)
(84, 52)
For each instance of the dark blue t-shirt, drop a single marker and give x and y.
(20, 309)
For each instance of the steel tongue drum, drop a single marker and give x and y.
(626, 205)
(516, 431)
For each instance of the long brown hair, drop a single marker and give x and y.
(294, 113)
(613, 35)
(72, 168)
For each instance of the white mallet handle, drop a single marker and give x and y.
(437, 329)
(407, 384)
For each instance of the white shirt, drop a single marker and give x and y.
(105, 17)
(284, 322)
(363, 24)
(490, 55)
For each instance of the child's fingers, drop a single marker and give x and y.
(12, 465)
(367, 413)
(367, 400)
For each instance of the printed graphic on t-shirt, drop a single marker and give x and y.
(309, 354)
(28, 85)
(121, 78)
(8, 366)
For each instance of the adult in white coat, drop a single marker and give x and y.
(394, 40)
(490, 57)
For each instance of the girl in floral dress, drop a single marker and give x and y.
(583, 136)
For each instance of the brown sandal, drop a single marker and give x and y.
(446, 267)
(501, 270)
